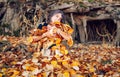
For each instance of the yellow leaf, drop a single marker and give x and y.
(28, 67)
(65, 64)
(66, 52)
(44, 74)
(54, 63)
(75, 63)
(1, 75)
(92, 69)
(16, 72)
(58, 45)
(30, 39)
(66, 74)
(63, 50)
(3, 70)
(31, 68)
(58, 67)
(13, 62)
(58, 57)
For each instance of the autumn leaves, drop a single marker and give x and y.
(52, 35)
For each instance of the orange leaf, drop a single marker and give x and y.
(72, 72)
(39, 75)
(58, 40)
(54, 48)
(70, 42)
(62, 47)
(70, 31)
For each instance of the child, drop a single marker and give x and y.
(53, 34)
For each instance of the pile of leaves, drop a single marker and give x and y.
(18, 58)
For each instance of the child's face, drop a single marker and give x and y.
(56, 17)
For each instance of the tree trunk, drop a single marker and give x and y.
(81, 31)
(117, 38)
(73, 25)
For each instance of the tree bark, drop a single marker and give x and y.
(117, 38)
(81, 31)
(73, 25)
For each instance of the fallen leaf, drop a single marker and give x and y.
(66, 74)
(39, 75)
(70, 42)
(1, 74)
(72, 72)
(54, 63)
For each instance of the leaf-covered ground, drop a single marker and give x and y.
(18, 58)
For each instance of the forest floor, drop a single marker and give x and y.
(18, 58)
